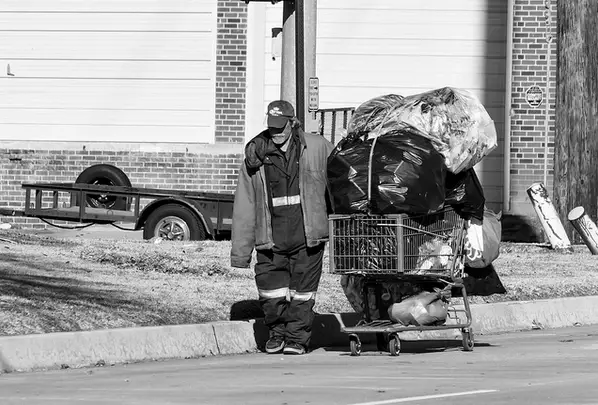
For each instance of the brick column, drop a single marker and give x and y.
(231, 63)
(528, 123)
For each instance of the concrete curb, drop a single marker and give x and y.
(77, 349)
(74, 349)
(526, 315)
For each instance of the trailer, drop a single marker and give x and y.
(165, 213)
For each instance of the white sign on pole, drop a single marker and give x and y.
(313, 94)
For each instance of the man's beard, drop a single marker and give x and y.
(280, 139)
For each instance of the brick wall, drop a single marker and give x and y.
(528, 123)
(214, 171)
(231, 63)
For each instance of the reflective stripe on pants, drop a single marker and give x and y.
(276, 293)
(303, 296)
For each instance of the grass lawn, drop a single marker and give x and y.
(52, 285)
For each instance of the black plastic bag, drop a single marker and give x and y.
(465, 195)
(407, 175)
(483, 282)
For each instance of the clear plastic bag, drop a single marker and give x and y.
(454, 120)
(373, 113)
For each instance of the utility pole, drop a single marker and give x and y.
(576, 138)
(299, 44)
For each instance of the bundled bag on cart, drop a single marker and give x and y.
(423, 309)
(379, 297)
(454, 120)
(398, 172)
(478, 282)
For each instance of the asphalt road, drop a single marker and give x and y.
(538, 367)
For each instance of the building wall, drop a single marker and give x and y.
(185, 166)
(231, 71)
(531, 54)
(124, 71)
(110, 71)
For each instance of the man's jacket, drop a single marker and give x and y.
(252, 222)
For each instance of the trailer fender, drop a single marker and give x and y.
(195, 208)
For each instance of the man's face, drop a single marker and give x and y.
(280, 135)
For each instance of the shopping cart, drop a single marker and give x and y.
(425, 250)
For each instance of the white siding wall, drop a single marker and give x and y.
(111, 70)
(369, 48)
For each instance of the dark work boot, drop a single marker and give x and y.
(275, 345)
(294, 348)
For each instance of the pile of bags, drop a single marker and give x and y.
(415, 155)
(411, 154)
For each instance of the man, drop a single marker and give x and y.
(281, 210)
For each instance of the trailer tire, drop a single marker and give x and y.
(173, 222)
(104, 174)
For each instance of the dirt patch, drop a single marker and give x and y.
(52, 285)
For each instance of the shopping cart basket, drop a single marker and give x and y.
(426, 250)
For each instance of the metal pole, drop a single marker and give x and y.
(300, 59)
(287, 82)
(310, 23)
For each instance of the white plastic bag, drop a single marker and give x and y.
(482, 241)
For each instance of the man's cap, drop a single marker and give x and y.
(279, 113)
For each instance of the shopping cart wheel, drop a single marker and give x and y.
(468, 342)
(355, 345)
(394, 345)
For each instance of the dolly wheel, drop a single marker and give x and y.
(355, 345)
(394, 345)
(468, 341)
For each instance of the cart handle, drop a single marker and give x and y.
(417, 229)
